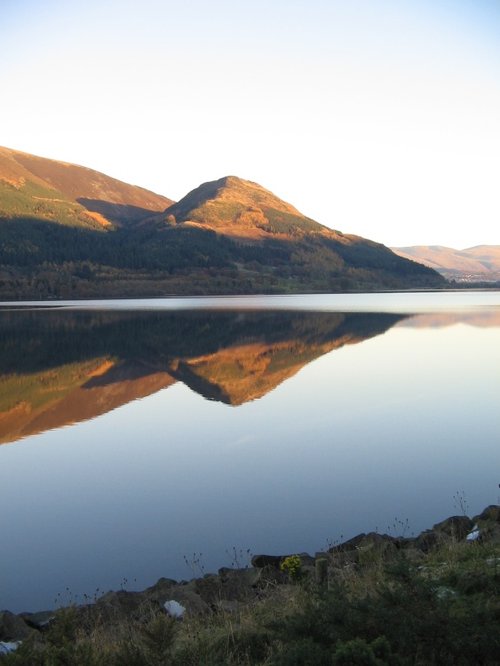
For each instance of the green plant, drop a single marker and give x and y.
(292, 566)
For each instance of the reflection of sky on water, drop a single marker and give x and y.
(391, 427)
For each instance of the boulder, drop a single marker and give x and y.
(456, 527)
(174, 609)
(426, 541)
(115, 607)
(39, 621)
(490, 514)
(260, 561)
(365, 546)
(8, 647)
(13, 627)
(189, 599)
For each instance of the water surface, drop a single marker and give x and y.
(137, 434)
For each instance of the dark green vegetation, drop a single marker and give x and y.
(70, 232)
(385, 601)
(34, 341)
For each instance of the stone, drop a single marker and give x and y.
(190, 600)
(490, 514)
(8, 647)
(260, 561)
(174, 609)
(426, 541)
(40, 620)
(456, 526)
(13, 627)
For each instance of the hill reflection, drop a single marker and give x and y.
(61, 367)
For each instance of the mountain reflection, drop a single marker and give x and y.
(61, 367)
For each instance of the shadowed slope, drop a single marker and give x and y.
(49, 189)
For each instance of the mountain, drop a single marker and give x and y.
(289, 249)
(69, 194)
(242, 209)
(474, 264)
(71, 232)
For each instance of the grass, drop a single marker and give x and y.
(392, 608)
(33, 200)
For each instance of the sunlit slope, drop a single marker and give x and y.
(275, 238)
(242, 209)
(71, 232)
(62, 193)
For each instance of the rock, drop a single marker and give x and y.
(474, 535)
(490, 514)
(39, 621)
(364, 546)
(190, 600)
(238, 584)
(161, 589)
(114, 607)
(489, 533)
(349, 545)
(8, 647)
(456, 526)
(270, 575)
(426, 541)
(174, 609)
(444, 593)
(13, 627)
(260, 561)
(228, 606)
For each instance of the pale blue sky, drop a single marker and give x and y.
(375, 117)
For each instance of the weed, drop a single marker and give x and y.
(460, 502)
(292, 566)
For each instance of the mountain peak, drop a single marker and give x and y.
(242, 208)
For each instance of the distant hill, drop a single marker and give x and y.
(70, 232)
(475, 264)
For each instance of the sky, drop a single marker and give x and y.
(375, 117)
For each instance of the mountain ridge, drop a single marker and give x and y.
(101, 197)
(477, 263)
(71, 232)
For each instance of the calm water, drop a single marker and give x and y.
(136, 434)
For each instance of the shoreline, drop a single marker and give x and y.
(230, 587)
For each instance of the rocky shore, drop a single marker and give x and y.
(229, 589)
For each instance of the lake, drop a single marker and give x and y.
(155, 438)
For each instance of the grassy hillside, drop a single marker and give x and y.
(242, 209)
(70, 232)
(64, 193)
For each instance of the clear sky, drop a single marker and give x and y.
(375, 117)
